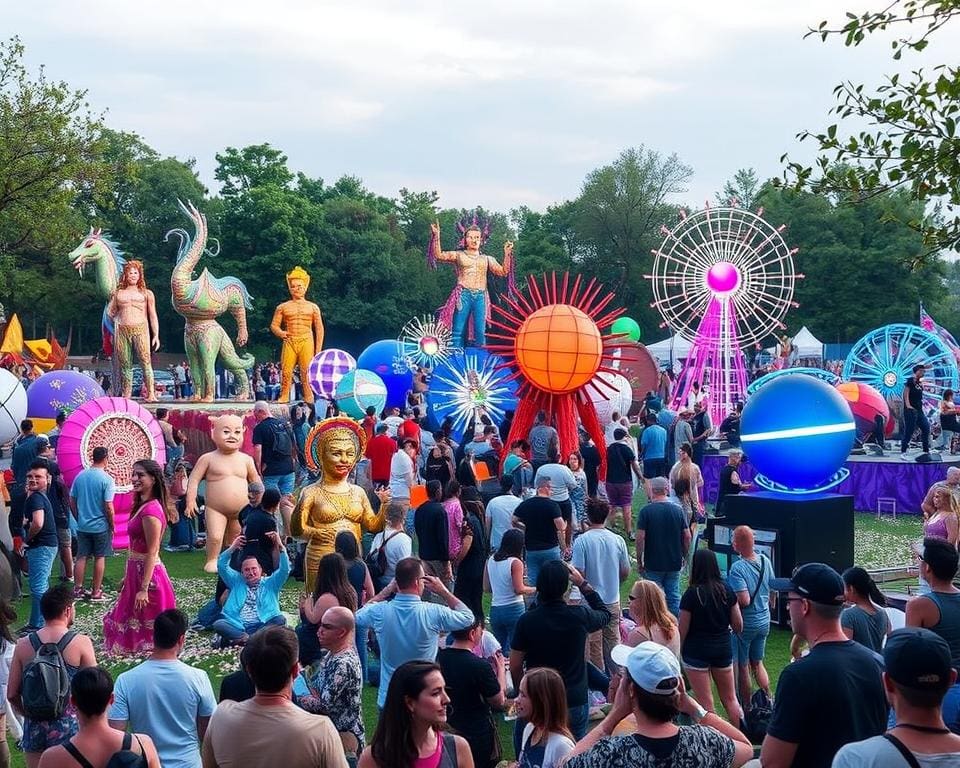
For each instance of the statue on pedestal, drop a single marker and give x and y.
(299, 324)
(135, 328)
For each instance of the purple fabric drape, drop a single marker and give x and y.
(907, 482)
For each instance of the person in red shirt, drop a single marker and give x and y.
(410, 429)
(380, 451)
(369, 422)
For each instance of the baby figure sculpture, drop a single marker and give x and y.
(333, 504)
(228, 472)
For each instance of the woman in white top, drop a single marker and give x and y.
(543, 704)
(503, 577)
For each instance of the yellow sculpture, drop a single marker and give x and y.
(332, 504)
(228, 471)
(299, 324)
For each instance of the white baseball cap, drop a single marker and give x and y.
(651, 666)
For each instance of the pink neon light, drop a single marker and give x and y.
(723, 277)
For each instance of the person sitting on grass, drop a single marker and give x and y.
(254, 599)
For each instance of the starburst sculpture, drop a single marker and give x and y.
(425, 342)
(469, 384)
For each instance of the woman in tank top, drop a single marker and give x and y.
(411, 730)
(944, 523)
(654, 623)
(865, 621)
(503, 578)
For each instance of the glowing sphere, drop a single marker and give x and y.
(558, 348)
(386, 359)
(866, 404)
(723, 277)
(58, 391)
(628, 326)
(429, 346)
(358, 390)
(326, 370)
(13, 405)
(798, 431)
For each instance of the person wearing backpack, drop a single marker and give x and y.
(389, 547)
(96, 744)
(44, 663)
(274, 450)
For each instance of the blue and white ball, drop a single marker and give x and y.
(358, 390)
(13, 406)
(798, 431)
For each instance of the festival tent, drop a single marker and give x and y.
(670, 349)
(807, 344)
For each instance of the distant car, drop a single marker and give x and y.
(162, 383)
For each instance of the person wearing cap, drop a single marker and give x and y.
(939, 610)
(913, 415)
(918, 672)
(651, 689)
(832, 696)
(682, 431)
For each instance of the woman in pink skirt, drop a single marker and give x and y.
(146, 590)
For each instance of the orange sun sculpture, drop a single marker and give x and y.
(552, 340)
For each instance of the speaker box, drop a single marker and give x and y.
(929, 458)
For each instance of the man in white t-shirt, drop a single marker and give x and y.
(615, 423)
(393, 422)
(403, 476)
(164, 698)
(398, 544)
(499, 512)
(601, 556)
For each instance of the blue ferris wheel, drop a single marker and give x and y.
(884, 358)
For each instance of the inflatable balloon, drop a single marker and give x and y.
(58, 391)
(618, 399)
(866, 404)
(628, 326)
(635, 363)
(467, 381)
(358, 390)
(386, 359)
(326, 370)
(13, 406)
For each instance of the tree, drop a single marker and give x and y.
(911, 142)
(258, 165)
(741, 190)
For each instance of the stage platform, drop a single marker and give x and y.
(871, 478)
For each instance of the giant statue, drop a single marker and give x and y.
(333, 504)
(200, 302)
(299, 325)
(135, 328)
(469, 298)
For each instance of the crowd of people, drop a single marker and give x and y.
(676, 676)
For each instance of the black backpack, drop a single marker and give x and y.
(376, 560)
(282, 439)
(122, 758)
(45, 690)
(758, 716)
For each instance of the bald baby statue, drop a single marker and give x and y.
(228, 472)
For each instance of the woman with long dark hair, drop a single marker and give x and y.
(331, 588)
(708, 613)
(411, 730)
(865, 621)
(147, 591)
(503, 578)
(360, 579)
(454, 510)
(473, 553)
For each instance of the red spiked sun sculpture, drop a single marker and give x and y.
(552, 340)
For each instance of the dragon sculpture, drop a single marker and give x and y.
(200, 302)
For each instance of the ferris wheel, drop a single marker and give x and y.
(723, 277)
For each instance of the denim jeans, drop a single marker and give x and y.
(360, 638)
(471, 303)
(41, 563)
(579, 718)
(669, 581)
(503, 621)
(913, 418)
(536, 559)
(231, 632)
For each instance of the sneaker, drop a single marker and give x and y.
(905, 457)
(79, 594)
(97, 597)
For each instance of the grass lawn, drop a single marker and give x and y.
(878, 544)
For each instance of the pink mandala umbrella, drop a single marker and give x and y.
(128, 430)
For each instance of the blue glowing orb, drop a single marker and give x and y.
(797, 432)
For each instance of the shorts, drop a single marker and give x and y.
(40, 735)
(654, 468)
(94, 544)
(751, 645)
(620, 494)
(566, 510)
(64, 537)
(702, 662)
(283, 483)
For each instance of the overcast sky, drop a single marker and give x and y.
(494, 102)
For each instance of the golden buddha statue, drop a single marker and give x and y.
(332, 504)
(299, 325)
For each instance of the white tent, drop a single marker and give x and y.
(670, 349)
(807, 344)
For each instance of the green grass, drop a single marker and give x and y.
(878, 544)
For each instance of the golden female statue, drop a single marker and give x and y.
(299, 325)
(332, 504)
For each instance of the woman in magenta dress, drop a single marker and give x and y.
(146, 591)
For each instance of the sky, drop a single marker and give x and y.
(498, 103)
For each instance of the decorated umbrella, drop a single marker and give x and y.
(128, 430)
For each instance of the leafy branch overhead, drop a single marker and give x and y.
(910, 140)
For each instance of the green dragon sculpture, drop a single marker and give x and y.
(200, 302)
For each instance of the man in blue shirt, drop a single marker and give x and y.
(407, 627)
(653, 451)
(25, 449)
(91, 501)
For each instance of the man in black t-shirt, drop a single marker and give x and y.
(474, 688)
(621, 462)
(832, 696)
(542, 521)
(430, 524)
(273, 450)
(663, 539)
(40, 536)
(913, 415)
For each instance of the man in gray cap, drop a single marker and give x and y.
(834, 694)
(918, 672)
